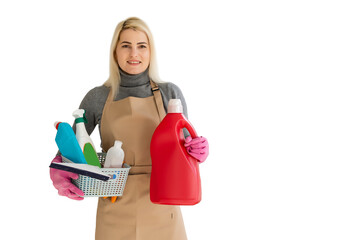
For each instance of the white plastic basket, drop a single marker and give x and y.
(97, 188)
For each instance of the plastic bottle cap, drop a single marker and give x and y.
(56, 124)
(175, 106)
(118, 143)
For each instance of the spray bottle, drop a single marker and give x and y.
(67, 143)
(86, 145)
(175, 177)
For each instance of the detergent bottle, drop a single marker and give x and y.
(175, 177)
(84, 139)
(115, 156)
(67, 143)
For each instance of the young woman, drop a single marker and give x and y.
(128, 107)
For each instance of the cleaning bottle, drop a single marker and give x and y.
(114, 159)
(175, 177)
(67, 143)
(115, 156)
(84, 139)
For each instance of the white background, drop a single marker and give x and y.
(273, 85)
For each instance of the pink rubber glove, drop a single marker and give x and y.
(197, 147)
(62, 182)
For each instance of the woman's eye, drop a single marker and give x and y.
(142, 46)
(125, 46)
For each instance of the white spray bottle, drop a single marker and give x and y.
(115, 156)
(86, 145)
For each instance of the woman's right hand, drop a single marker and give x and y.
(62, 182)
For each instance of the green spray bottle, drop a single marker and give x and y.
(86, 145)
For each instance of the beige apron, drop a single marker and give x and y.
(133, 216)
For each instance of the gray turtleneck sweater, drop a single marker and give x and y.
(131, 85)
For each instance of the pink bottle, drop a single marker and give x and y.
(175, 177)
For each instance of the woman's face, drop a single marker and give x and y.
(133, 51)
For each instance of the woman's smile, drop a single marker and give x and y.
(133, 62)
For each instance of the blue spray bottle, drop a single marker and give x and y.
(67, 143)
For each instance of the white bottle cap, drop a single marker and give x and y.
(56, 124)
(118, 143)
(175, 106)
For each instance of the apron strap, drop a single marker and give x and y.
(158, 99)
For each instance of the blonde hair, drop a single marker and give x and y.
(114, 76)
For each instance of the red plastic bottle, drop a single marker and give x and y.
(175, 177)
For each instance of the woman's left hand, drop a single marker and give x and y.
(197, 147)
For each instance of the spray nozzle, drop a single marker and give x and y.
(79, 115)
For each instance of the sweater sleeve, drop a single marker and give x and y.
(93, 104)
